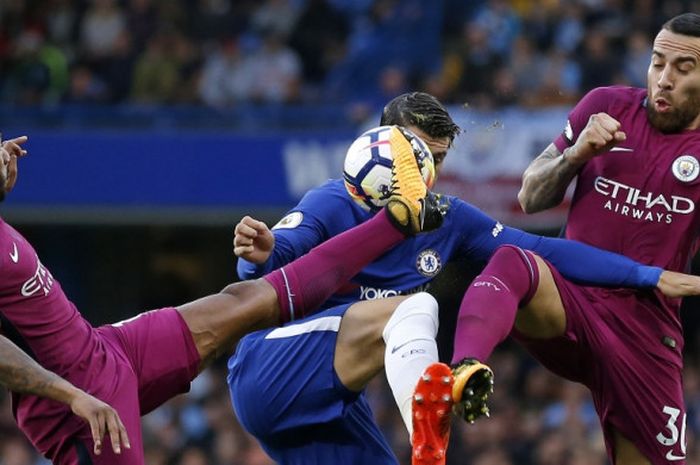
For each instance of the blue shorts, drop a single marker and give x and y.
(286, 393)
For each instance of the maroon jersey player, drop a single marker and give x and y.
(636, 153)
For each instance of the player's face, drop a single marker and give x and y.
(438, 146)
(673, 83)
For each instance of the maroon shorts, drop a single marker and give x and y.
(156, 359)
(614, 344)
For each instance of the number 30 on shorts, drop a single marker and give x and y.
(670, 436)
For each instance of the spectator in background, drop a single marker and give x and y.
(187, 55)
(386, 35)
(156, 74)
(644, 18)
(596, 61)
(319, 38)
(569, 28)
(40, 74)
(61, 18)
(636, 61)
(561, 78)
(504, 88)
(392, 81)
(142, 20)
(610, 17)
(117, 71)
(525, 65)
(102, 25)
(472, 66)
(501, 25)
(86, 87)
(537, 22)
(225, 78)
(274, 71)
(176, 15)
(278, 16)
(214, 19)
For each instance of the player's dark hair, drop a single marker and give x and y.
(421, 110)
(687, 24)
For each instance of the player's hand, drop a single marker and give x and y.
(15, 150)
(602, 133)
(253, 240)
(674, 284)
(102, 419)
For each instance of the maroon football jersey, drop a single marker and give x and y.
(38, 317)
(639, 199)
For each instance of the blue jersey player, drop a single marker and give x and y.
(298, 389)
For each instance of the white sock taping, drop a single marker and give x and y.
(410, 348)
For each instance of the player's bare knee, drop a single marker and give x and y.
(359, 351)
(256, 299)
(544, 315)
(364, 321)
(217, 321)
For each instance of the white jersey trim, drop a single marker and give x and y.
(326, 323)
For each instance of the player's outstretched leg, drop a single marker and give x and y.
(473, 383)
(411, 207)
(432, 402)
(486, 317)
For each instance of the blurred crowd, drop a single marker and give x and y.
(220, 53)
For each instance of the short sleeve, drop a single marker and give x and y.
(596, 101)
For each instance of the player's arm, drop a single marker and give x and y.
(590, 265)
(590, 131)
(545, 180)
(268, 250)
(21, 374)
(576, 261)
(261, 250)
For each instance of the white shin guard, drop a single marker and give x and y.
(410, 348)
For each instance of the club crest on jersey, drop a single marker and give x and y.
(428, 263)
(290, 221)
(686, 168)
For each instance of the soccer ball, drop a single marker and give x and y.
(367, 169)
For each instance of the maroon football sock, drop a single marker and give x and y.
(310, 280)
(488, 309)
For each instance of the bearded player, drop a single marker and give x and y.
(635, 152)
